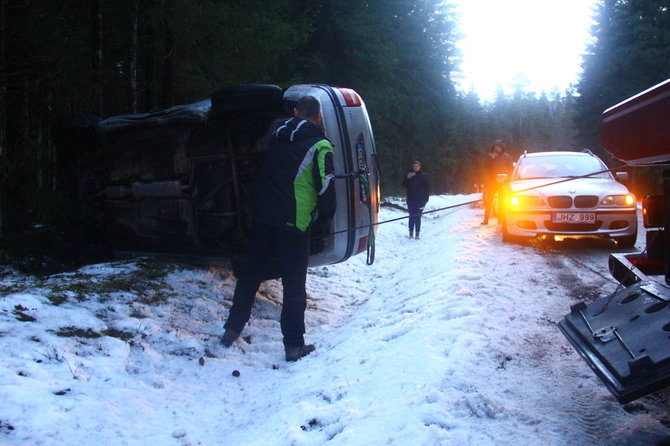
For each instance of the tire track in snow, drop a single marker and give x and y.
(590, 403)
(587, 409)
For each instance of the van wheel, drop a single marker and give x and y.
(245, 98)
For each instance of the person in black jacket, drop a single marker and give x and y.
(294, 189)
(416, 183)
(497, 161)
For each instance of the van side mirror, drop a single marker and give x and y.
(501, 177)
(621, 176)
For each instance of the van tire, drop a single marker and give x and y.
(246, 98)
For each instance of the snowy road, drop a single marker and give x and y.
(448, 340)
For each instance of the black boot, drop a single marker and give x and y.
(295, 353)
(229, 336)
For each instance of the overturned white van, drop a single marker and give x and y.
(178, 183)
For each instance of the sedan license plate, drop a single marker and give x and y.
(574, 217)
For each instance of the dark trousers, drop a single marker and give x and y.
(490, 191)
(415, 210)
(289, 251)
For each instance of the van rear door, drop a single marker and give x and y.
(347, 126)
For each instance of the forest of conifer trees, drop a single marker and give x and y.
(75, 58)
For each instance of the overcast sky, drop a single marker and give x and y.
(541, 41)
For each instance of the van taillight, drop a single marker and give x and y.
(362, 244)
(351, 98)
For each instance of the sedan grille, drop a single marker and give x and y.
(573, 227)
(560, 202)
(586, 201)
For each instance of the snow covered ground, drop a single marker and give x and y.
(448, 340)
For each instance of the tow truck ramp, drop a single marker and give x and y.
(625, 338)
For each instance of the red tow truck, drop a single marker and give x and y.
(625, 337)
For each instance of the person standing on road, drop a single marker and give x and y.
(418, 191)
(295, 188)
(497, 161)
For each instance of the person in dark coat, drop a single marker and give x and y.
(497, 161)
(294, 190)
(418, 191)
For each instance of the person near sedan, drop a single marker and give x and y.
(294, 190)
(497, 161)
(418, 191)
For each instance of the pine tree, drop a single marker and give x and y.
(630, 52)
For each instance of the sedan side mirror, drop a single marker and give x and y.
(622, 176)
(501, 177)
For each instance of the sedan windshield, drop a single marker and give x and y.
(559, 166)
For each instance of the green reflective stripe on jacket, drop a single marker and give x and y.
(325, 147)
(305, 186)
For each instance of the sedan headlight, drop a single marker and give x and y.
(619, 200)
(526, 201)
